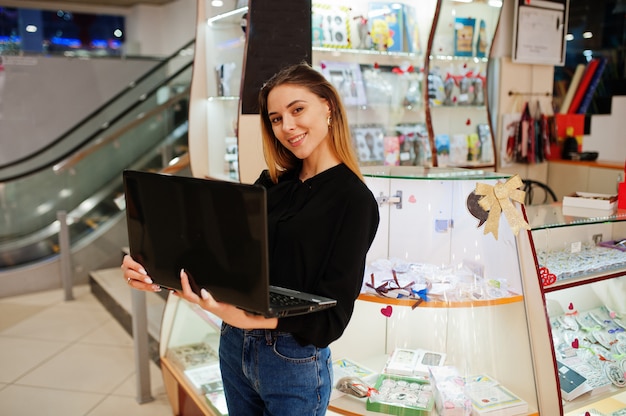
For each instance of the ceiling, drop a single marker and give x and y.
(113, 3)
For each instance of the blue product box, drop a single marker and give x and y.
(386, 26)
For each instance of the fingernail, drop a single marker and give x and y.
(143, 271)
(147, 280)
(182, 271)
(156, 288)
(204, 294)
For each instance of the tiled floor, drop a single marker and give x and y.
(72, 358)
(69, 358)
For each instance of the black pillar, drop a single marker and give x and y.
(279, 34)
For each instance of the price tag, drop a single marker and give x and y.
(576, 247)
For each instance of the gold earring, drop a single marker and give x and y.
(328, 121)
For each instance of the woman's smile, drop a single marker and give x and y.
(297, 140)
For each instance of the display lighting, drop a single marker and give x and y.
(495, 3)
(31, 28)
(217, 3)
(213, 19)
(587, 35)
(569, 37)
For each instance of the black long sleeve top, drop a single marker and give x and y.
(319, 233)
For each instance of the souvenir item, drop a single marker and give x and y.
(330, 26)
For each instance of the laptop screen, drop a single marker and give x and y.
(215, 230)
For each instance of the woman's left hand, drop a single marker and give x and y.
(230, 314)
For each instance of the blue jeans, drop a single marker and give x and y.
(267, 373)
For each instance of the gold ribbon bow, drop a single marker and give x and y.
(497, 199)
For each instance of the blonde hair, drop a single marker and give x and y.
(277, 157)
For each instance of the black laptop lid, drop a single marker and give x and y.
(215, 230)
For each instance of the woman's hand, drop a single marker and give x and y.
(136, 276)
(230, 314)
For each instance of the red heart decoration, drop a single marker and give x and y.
(387, 311)
(587, 414)
(571, 306)
(468, 122)
(575, 344)
(547, 278)
(412, 199)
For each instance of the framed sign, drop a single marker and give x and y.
(539, 31)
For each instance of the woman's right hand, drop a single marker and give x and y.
(136, 276)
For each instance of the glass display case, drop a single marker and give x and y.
(408, 86)
(189, 361)
(457, 82)
(215, 90)
(443, 304)
(441, 288)
(374, 54)
(582, 267)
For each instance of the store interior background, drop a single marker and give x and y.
(68, 89)
(157, 29)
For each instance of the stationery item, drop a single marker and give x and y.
(413, 362)
(621, 192)
(572, 383)
(464, 36)
(392, 150)
(571, 90)
(404, 396)
(593, 84)
(481, 40)
(330, 26)
(449, 391)
(386, 26)
(402, 362)
(345, 367)
(192, 355)
(584, 84)
(490, 398)
(217, 232)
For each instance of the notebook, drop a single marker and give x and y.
(217, 232)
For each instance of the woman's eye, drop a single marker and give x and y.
(274, 120)
(298, 109)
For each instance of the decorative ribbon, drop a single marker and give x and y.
(388, 289)
(497, 199)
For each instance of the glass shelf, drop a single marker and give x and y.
(551, 216)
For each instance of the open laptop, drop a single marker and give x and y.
(217, 232)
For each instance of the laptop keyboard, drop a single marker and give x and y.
(286, 300)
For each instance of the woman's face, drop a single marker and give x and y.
(299, 119)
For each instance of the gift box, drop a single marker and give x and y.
(585, 204)
(386, 26)
(621, 196)
(402, 396)
(449, 392)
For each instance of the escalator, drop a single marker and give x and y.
(78, 176)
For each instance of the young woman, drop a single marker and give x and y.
(322, 221)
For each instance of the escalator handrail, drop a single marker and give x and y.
(77, 156)
(94, 113)
(93, 136)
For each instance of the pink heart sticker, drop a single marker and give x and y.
(387, 311)
(412, 199)
(613, 315)
(571, 306)
(575, 344)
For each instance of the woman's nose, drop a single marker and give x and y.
(288, 123)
